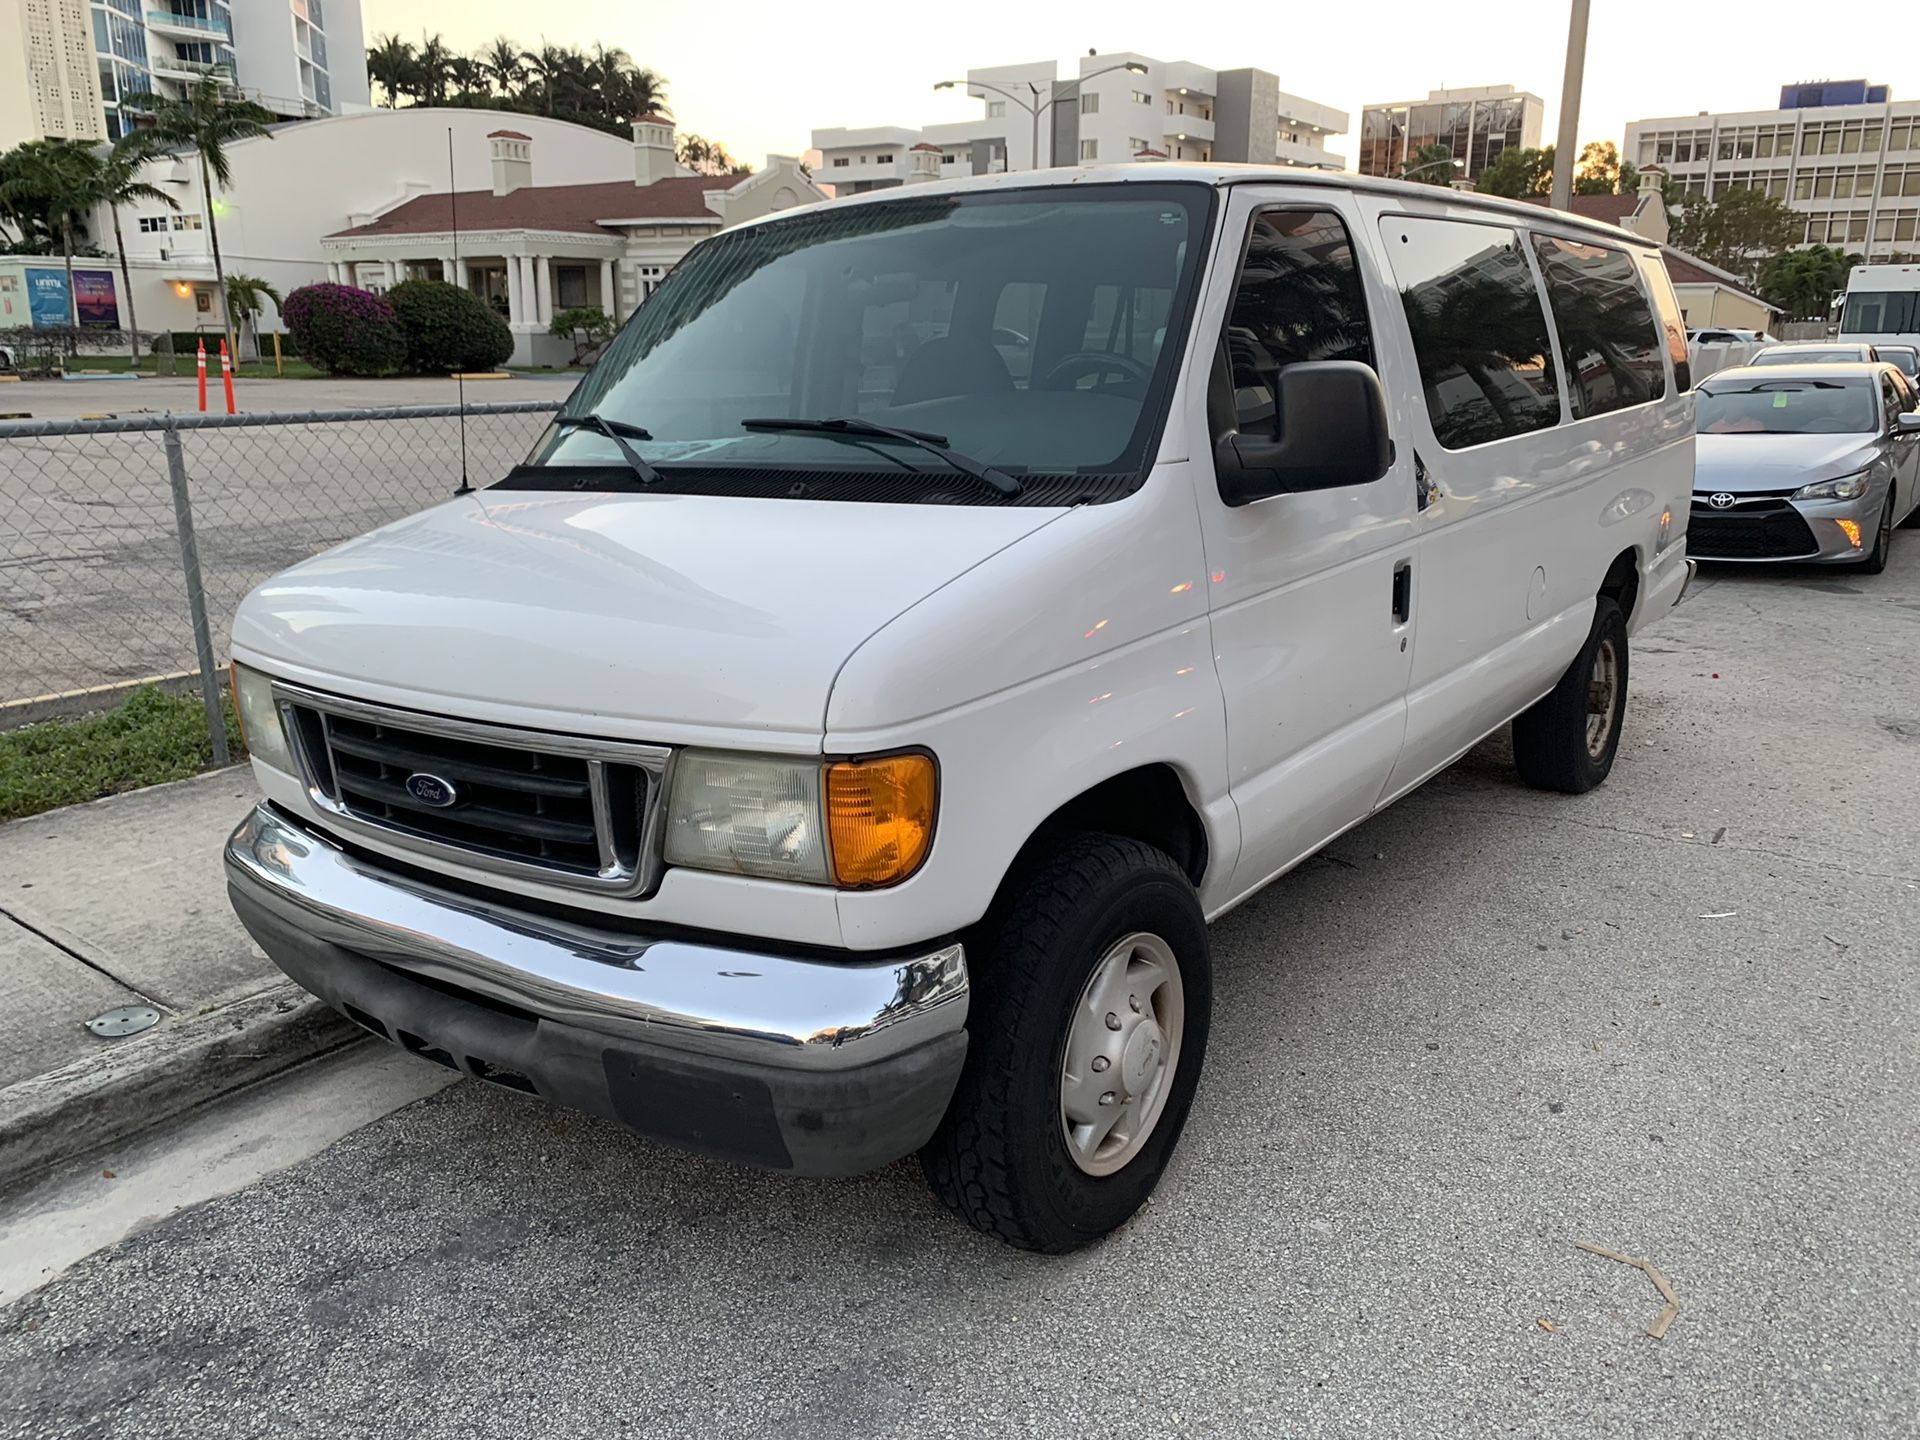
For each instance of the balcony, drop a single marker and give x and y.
(192, 71)
(182, 26)
(1288, 152)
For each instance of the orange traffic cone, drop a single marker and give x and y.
(201, 366)
(226, 374)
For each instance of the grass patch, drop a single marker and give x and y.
(149, 738)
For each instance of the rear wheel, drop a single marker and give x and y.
(1087, 1035)
(1567, 740)
(1875, 560)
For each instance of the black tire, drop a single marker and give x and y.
(1875, 560)
(1000, 1159)
(1551, 740)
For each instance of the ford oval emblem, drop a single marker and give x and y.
(432, 790)
(1721, 501)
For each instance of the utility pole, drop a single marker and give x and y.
(1564, 157)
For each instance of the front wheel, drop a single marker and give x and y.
(1088, 1031)
(1567, 740)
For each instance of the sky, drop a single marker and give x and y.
(759, 77)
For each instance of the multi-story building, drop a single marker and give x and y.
(300, 59)
(1121, 107)
(47, 85)
(1843, 153)
(1474, 125)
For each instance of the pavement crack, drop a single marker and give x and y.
(89, 962)
(1677, 840)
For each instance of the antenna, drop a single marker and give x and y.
(459, 376)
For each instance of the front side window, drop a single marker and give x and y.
(1607, 336)
(1479, 334)
(1298, 299)
(1032, 330)
(1787, 407)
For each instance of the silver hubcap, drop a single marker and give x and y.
(1602, 688)
(1123, 1048)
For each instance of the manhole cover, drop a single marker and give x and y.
(127, 1020)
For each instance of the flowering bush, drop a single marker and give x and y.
(344, 330)
(447, 327)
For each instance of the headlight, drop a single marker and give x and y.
(1847, 487)
(748, 814)
(852, 823)
(259, 718)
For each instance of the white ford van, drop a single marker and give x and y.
(936, 606)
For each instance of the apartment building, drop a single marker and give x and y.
(300, 59)
(1120, 107)
(1475, 126)
(1845, 154)
(47, 84)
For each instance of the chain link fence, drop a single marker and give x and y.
(127, 543)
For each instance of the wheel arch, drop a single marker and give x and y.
(1622, 581)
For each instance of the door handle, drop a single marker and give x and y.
(1403, 592)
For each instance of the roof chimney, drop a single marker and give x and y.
(512, 161)
(1652, 180)
(925, 162)
(653, 149)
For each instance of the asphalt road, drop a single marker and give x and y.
(91, 589)
(1674, 1018)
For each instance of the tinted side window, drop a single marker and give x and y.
(1608, 340)
(1299, 298)
(1671, 321)
(1479, 333)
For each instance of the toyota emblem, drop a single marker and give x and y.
(1721, 501)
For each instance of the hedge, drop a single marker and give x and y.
(344, 330)
(448, 328)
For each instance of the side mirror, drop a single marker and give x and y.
(1331, 422)
(1909, 421)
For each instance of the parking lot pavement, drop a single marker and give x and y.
(71, 399)
(1673, 1018)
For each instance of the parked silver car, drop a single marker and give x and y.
(1816, 352)
(1815, 463)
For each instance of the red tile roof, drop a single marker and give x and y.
(923, 145)
(1610, 209)
(652, 117)
(507, 135)
(1685, 269)
(576, 208)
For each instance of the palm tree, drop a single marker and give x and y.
(470, 76)
(392, 65)
(646, 94)
(208, 122)
(433, 61)
(61, 180)
(503, 61)
(547, 64)
(120, 184)
(246, 294)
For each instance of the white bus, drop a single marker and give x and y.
(1882, 305)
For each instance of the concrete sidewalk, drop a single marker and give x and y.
(123, 902)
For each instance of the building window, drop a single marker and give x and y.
(1089, 104)
(1135, 145)
(840, 162)
(153, 224)
(883, 159)
(187, 222)
(996, 108)
(1140, 97)
(570, 286)
(1089, 149)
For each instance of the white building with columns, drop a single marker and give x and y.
(533, 250)
(292, 194)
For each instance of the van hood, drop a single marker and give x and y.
(680, 610)
(1743, 464)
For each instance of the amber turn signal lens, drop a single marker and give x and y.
(880, 818)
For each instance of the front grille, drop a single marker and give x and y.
(1770, 530)
(568, 809)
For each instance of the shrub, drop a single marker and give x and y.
(588, 327)
(345, 331)
(449, 328)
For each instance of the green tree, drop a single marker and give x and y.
(1518, 173)
(1804, 282)
(206, 121)
(120, 184)
(1430, 165)
(60, 181)
(505, 64)
(1603, 172)
(1738, 230)
(434, 60)
(707, 157)
(247, 296)
(393, 66)
(588, 328)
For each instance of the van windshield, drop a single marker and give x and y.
(1032, 331)
(1787, 407)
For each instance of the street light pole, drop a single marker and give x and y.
(1563, 154)
(1034, 108)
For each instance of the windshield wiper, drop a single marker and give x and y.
(618, 432)
(932, 444)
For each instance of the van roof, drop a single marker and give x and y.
(1414, 195)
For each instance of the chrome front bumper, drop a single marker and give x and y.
(819, 1065)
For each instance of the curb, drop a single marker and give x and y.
(92, 1103)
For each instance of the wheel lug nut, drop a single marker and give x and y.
(1133, 1001)
(1113, 1021)
(1108, 1098)
(1100, 1062)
